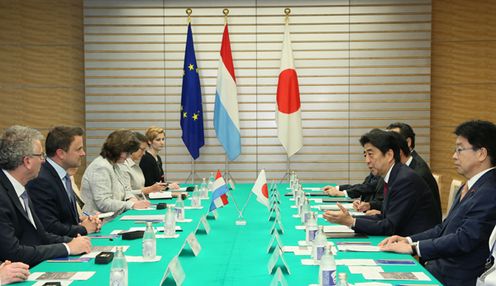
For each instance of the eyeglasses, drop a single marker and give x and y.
(42, 155)
(460, 149)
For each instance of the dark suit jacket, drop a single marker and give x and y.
(366, 189)
(19, 239)
(52, 204)
(422, 169)
(407, 208)
(152, 169)
(458, 246)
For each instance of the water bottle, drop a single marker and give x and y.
(203, 189)
(118, 272)
(149, 242)
(319, 244)
(342, 280)
(170, 222)
(211, 180)
(179, 208)
(195, 198)
(311, 228)
(305, 211)
(327, 272)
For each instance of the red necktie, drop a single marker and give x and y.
(464, 191)
(386, 189)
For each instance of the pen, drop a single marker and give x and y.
(86, 214)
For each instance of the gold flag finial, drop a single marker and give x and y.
(226, 12)
(189, 11)
(287, 11)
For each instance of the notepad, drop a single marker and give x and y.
(160, 195)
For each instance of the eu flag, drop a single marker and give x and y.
(191, 102)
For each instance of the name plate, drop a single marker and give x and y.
(206, 225)
(193, 243)
(277, 256)
(175, 268)
(279, 279)
(275, 239)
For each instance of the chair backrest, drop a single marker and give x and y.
(455, 186)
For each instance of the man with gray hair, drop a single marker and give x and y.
(22, 236)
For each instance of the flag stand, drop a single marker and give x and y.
(288, 170)
(241, 221)
(192, 174)
(227, 175)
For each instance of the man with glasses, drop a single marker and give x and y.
(22, 235)
(456, 250)
(52, 193)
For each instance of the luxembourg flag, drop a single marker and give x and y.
(260, 189)
(219, 195)
(226, 115)
(288, 114)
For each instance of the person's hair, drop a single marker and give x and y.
(480, 134)
(16, 143)
(405, 130)
(382, 140)
(141, 138)
(402, 144)
(61, 137)
(152, 133)
(118, 142)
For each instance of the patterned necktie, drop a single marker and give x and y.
(25, 199)
(464, 191)
(70, 194)
(386, 189)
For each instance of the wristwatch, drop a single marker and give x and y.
(414, 247)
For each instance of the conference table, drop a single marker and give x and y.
(230, 254)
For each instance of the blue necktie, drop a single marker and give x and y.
(25, 199)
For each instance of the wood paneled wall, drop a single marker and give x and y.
(41, 63)
(463, 75)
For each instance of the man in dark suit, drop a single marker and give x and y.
(408, 203)
(456, 250)
(22, 236)
(416, 162)
(51, 192)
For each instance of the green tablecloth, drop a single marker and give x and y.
(231, 254)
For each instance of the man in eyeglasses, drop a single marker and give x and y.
(51, 192)
(22, 236)
(456, 250)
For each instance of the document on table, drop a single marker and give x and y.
(160, 195)
(334, 207)
(142, 259)
(359, 248)
(80, 275)
(356, 262)
(397, 276)
(365, 269)
(338, 228)
(97, 249)
(143, 217)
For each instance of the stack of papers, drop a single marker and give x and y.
(160, 195)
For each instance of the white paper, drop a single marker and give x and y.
(143, 217)
(302, 243)
(141, 259)
(379, 276)
(338, 228)
(93, 254)
(160, 195)
(335, 207)
(365, 269)
(289, 248)
(105, 215)
(300, 227)
(309, 261)
(117, 231)
(184, 220)
(62, 282)
(372, 284)
(303, 251)
(315, 189)
(166, 236)
(193, 208)
(316, 200)
(80, 275)
(355, 262)
(157, 229)
(359, 248)
(354, 213)
(296, 216)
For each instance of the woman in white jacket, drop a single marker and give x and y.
(488, 278)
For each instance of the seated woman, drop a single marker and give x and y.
(131, 169)
(151, 163)
(102, 187)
